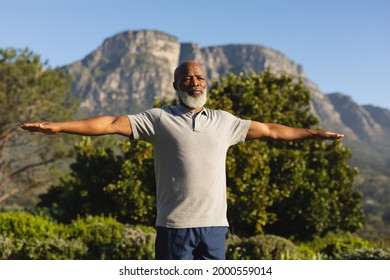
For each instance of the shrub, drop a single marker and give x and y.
(261, 247)
(21, 225)
(27, 237)
(49, 249)
(307, 253)
(336, 246)
(136, 244)
(6, 247)
(368, 254)
(108, 239)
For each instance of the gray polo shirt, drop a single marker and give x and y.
(190, 159)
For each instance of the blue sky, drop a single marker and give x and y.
(343, 45)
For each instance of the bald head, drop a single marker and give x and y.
(186, 67)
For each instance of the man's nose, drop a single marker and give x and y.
(194, 81)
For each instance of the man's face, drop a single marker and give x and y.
(190, 83)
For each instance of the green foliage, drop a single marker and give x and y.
(332, 246)
(29, 91)
(108, 239)
(307, 253)
(82, 193)
(338, 246)
(261, 247)
(26, 226)
(24, 236)
(367, 254)
(325, 199)
(104, 183)
(28, 237)
(134, 192)
(53, 248)
(376, 204)
(293, 189)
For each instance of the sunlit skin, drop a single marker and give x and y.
(190, 78)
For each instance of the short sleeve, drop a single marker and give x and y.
(237, 128)
(239, 131)
(143, 124)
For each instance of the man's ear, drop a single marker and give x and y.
(174, 85)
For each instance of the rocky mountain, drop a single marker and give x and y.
(126, 72)
(130, 69)
(371, 129)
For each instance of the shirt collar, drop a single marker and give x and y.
(188, 111)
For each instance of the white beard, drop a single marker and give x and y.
(193, 102)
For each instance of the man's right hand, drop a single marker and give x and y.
(43, 127)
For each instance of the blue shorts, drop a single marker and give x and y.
(202, 243)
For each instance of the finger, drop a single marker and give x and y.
(31, 127)
(328, 135)
(333, 135)
(337, 135)
(27, 126)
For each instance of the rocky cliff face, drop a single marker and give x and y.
(130, 69)
(219, 60)
(357, 118)
(371, 125)
(126, 72)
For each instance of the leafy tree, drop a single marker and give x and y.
(293, 189)
(29, 90)
(103, 182)
(376, 205)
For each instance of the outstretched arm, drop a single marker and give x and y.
(100, 125)
(258, 130)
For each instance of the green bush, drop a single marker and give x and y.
(261, 247)
(136, 244)
(368, 254)
(108, 239)
(337, 246)
(27, 237)
(26, 226)
(307, 253)
(49, 249)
